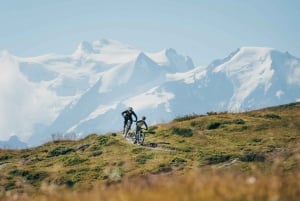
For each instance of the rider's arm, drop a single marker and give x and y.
(124, 113)
(134, 115)
(146, 125)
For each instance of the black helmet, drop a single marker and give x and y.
(130, 109)
(144, 118)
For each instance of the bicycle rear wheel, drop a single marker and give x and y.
(141, 138)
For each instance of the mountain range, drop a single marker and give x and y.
(71, 96)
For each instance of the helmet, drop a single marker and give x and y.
(130, 109)
(144, 118)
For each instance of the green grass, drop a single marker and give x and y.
(239, 144)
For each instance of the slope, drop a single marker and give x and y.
(240, 143)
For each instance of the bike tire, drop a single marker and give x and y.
(141, 138)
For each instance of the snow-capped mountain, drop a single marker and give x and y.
(86, 91)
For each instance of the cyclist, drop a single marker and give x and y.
(127, 114)
(140, 124)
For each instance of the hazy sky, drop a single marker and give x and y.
(202, 29)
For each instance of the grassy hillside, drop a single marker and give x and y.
(220, 156)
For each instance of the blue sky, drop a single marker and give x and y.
(202, 29)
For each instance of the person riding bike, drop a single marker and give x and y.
(127, 114)
(140, 124)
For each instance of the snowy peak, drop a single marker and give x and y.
(143, 60)
(172, 61)
(258, 70)
(84, 48)
(245, 58)
(109, 45)
(97, 46)
(145, 71)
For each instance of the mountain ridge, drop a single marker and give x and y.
(159, 85)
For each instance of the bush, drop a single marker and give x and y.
(211, 113)
(5, 157)
(10, 185)
(18, 172)
(34, 177)
(31, 177)
(163, 168)
(73, 160)
(217, 158)
(103, 140)
(185, 132)
(178, 161)
(60, 151)
(186, 117)
(96, 153)
(187, 149)
(142, 159)
(213, 125)
(239, 121)
(256, 140)
(251, 157)
(272, 116)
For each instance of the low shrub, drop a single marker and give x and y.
(96, 153)
(272, 116)
(163, 168)
(251, 157)
(239, 121)
(213, 125)
(178, 161)
(103, 140)
(5, 157)
(185, 132)
(60, 151)
(142, 158)
(186, 117)
(30, 176)
(72, 160)
(217, 158)
(10, 185)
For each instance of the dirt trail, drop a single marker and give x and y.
(151, 145)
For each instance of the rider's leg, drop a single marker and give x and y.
(125, 123)
(128, 124)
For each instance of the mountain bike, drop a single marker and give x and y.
(139, 137)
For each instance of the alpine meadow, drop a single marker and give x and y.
(251, 155)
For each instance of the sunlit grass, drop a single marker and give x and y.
(195, 185)
(222, 156)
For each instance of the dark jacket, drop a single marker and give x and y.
(127, 114)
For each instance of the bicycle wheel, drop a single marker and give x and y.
(141, 138)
